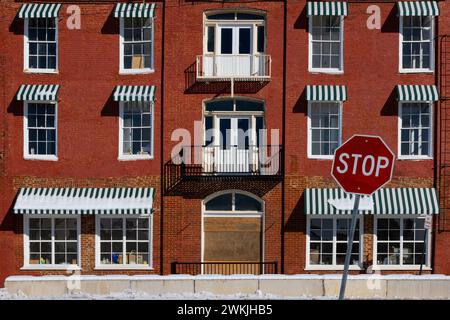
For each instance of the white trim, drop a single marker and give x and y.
(26, 154)
(334, 266)
(123, 266)
(377, 266)
(399, 136)
(26, 68)
(400, 60)
(26, 243)
(341, 60)
(309, 135)
(124, 71)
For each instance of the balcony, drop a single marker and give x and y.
(239, 67)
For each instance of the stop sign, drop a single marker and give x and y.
(363, 164)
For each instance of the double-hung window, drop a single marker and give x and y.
(40, 139)
(416, 44)
(415, 130)
(327, 242)
(401, 242)
(136, 45)
(41, 45)
(51, 241)
(136, 130)
(326, 44)
(124, 242)
(324, 132)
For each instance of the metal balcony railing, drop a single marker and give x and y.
(240, 67)
(224, 268)
(232, 160)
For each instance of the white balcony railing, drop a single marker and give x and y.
(244, 67)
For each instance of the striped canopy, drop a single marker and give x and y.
(385, 201)
(38, 92)
(134, 93)
(39, 10)
(417, 93)
(84, 201)
(326, 93)
(418, 8)
(134, 10)
(328, 8)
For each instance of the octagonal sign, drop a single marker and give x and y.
(363, 164)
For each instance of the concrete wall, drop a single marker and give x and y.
(300, 286)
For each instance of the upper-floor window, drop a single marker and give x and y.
(136, 45)
(41, 45)
(416, 44)
(326, 43)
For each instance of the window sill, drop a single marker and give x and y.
(135, 158)
(42, 158)
(409, 71)
(69, 267)
(401, 268)
(414, 158)
(136, 71)
(320, 157)
(49, 71)
(337, 72)
(123, 267)
(331, 268)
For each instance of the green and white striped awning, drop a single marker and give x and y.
(39, 10)
(385, 201)
(134, 93)
(326, 8)
(418, 8)
(84, 201)
(417, 93)
(38, 92)
(326, 93)
(134, 10)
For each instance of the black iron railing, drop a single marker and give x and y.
(224, 268)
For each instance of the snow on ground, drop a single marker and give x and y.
(132, 295)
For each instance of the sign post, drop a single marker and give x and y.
(361, 166)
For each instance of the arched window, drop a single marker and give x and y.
(233, 202)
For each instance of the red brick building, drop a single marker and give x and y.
(197, 137)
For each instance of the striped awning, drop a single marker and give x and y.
(38, 92)
(39, 10)
(418, 8)
(84, 201)
(326, 8)
(134, 93)
(134, 10)
(417, 93)
(385, 201)
(326, 93)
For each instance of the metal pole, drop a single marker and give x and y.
(349, 247)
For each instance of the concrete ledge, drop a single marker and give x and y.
(292, 288)
(410, 289)
(226, 286)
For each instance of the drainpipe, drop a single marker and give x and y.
(161, 145)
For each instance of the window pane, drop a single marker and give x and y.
(222, 202)
(226, 41)
(246, 203)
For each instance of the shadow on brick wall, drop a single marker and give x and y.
(297, 218)
(390, 106)
(391, 24)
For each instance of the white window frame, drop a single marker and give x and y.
(309, 136)
(334, 266)
(26, 51)
(122, 70)
(26, 243)
(26, 154)
(400, 61)
(399, 133)
(310, 55)
(377, 266)
(123, 266)
(125, 157)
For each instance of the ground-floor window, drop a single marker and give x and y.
(401, 241)
(327, 241)
(124, 241)
(51, 240)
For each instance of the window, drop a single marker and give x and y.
(415, 130)
(233, 201)
(51, 241)
(136, 130)
(326, 44)
(327, 242)
(401, 241)
(136, 48)
(416, 44)
(41, 45)
(40, 139)
(324, 132)
(124, 242)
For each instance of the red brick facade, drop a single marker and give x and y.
(88, 122)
